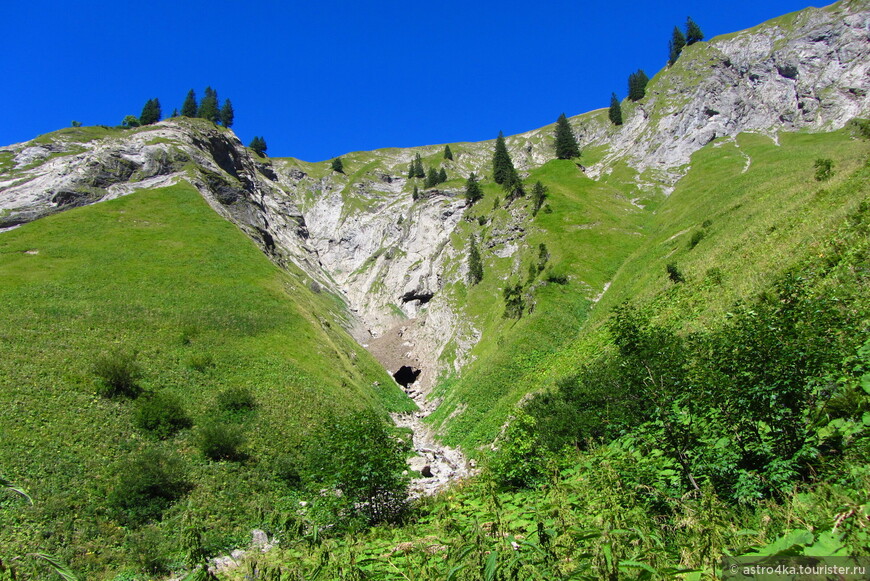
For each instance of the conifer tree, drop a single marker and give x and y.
(675, 47)
(637, 85)
(208, 107)
(473, 193)
(539, 194)
(189, 108)
(258, 145)
(513, 187)
(338, 165)
(502, 166)
(566, 144)
(416, 195)
(693, 32)
(227, 114)
(151, 112)
(475, 264)
(615, 110)
(174, 113)
(431, 178)
(447, 153)
(442, 176)
(416, 170)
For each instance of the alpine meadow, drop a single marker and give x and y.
(626, 345)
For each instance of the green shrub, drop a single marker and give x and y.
(359, 456)
(697, 236)
(118, 372)
(147, 483)
(161, 414)
(674, 273)
(236, 399)
(824, 169)
(219, 441)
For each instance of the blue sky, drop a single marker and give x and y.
(318, 80)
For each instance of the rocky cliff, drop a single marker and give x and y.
(390, 257)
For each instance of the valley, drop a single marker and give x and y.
(661, 361)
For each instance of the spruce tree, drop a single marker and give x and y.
(416, 195)
(502, 166)
(675, 47)
(338, 165)
(174, 114)
(416, 170)
(513, 186)
(475, 264)
(693, 32)
(637, 85)
(431, 178)
(258, 145)
(227, 114)
(447, 153)
(189, 108)
(442, 176)
(473, 193)
(151, 112)
(615, 110)
(539, 194)
(208, 107)
(566, 144)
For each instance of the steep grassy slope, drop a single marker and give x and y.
(747, 211)
(157, 273)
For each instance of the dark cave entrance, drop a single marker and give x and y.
(405, 376)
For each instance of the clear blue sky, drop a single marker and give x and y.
(321, 79)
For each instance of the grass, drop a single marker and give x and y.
(148, 274)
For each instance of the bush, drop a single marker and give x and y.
(824, 169)
(674, 273)
(219, 441)
(147, 484)
(697, 236)
(359, 456)
(236, 399)
(161, 414)
(118, 372)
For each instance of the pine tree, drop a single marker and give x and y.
(174, 114)
(208, 107)
(442, 176)
(502, 166)
(566, 144)
(473, 193)
(258, 145)
(675, 47)
(693, 32)
(416, 195)
(475, 264)
(539, 194)
(189, 108)
(637, 85)
(338, 165)
(447, 153)
(227, 114)
(615, 110)
(431, 178)
(151, 112)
